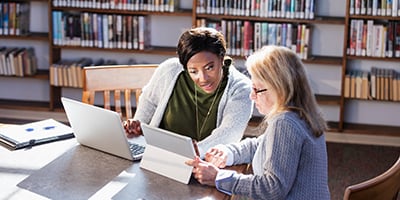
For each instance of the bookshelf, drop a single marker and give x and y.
(351, 115)
(124, 11)
(26, 37)
(379, 96)
(241, 14)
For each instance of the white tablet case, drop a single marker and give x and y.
(166, 153)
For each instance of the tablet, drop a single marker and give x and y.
(166, 153)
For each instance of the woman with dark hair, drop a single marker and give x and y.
(200, 94)
(289, 160)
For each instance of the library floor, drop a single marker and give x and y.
(351, 158)
(349, 164)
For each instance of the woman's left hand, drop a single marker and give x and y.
(203, 171)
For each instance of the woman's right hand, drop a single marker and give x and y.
(216, 156)
(132, 128)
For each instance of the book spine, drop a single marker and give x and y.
(5, 18)
(374, 7)
(395, 8)
(397, 39)
(346, 93)
(141, 32)
(289, 35)
(359, 37)
(389, 39)
(369, 47)
(369, 7)
(110, 29)
(55, 27)
(105, 31)
(118, 26)
(364, 40)
(100, 31)
(95, 29)
(351, 7)
(373, 74)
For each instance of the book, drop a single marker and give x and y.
(247, 38)
(353, 84)
(352, 37)
(370, 42)
(396, 87)
(347, 86)
(365, 85)
(396, 44)
(389, 39)
(27, 135)
(373, 77)
(358, 84)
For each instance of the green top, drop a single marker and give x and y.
(180, 113)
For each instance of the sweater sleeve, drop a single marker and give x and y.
(154, 95)
(280, 148)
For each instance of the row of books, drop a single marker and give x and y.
(134, 5)
(17, 61)
(375, 7)
(377, 84)
(14, 18)
(298, 9)
(244, 37)
(100, 30)
(69, 73)
(375, 40)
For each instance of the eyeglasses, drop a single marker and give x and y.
(256, 91)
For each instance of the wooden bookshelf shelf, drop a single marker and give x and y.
(329, 20)
(374, 17)
(256, 120)
(376, 100)
(41, 74)
(44, 1)
(328, 99)
(333, 126)
(24, 105)
(316, 20)
(180, 12)
(149, 50)
(369, 129)
(373, 58)
(326, 60)
(365, 129)
(29, 36)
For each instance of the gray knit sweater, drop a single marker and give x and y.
(234, 109)
(288, 163)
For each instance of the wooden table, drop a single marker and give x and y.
(67, 170)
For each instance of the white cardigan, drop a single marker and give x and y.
(234, 110)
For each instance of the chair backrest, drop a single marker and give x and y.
(383, 186)
(114, 79)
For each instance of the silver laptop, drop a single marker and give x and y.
(102, 129)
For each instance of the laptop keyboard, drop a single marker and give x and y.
(136, 149)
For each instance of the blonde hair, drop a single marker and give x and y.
(283, 70)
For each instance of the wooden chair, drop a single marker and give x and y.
(385, 186)
(114, 79)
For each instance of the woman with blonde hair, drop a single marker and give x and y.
(289, 160)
